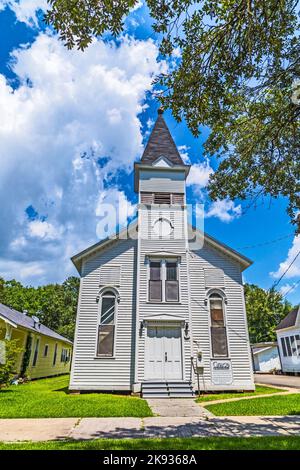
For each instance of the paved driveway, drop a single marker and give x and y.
(280, 380)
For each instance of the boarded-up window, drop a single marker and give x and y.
(146, 198)
(110, 275)
(106, 331)
(155, 284)
(219, 342)
(162, 198)
(172, 287)
(214, 278)
(178, 199)
(283, 347)
(218, 329)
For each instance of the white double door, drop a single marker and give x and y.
(163, 358)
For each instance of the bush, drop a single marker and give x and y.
(7, 369)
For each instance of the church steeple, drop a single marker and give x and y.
(160, 157)
(161, 143)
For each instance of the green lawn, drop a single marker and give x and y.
(192, 443)
(259, 390)
(49, 398)
(276, 405)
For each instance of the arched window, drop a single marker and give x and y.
(106, 330)
(218, 327)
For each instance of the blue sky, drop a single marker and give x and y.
(71, 126)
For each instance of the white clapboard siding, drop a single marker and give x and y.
(110, 275)
(124, 264)
(202, 261)
(214, 277)
(88, 371)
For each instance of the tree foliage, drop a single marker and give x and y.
(265, 310)
(237, 74)
(7, 368)
(54, 304)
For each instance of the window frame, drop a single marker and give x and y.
(54, 359)
(220, 295)
(36, 352)
(102, 294)
(283, 347)
(148, 198)
(46, 350)
(163, 275)
(288, 346)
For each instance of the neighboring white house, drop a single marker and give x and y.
(265, 357)
(161, 301)
(288, 337)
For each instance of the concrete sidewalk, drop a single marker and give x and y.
(12, 430)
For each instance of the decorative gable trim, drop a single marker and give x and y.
(163, 162)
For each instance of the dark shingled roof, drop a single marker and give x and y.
(25, 321)
(161, 143)
(289, 320)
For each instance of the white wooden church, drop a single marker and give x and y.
(161, 306)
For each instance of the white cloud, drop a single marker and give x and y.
(294, 270)
(224, 209)
(184, 153)
(199, 174)
(25, 10)
(70, 110)
(44, 230)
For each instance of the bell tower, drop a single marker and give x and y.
(162, 266)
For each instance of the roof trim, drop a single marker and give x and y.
(6, 320)
(29, 328)
(223, 247)
(102, 244)
(145, 166)
(77, 259)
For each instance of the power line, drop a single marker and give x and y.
(291, 288)
(268, 242)
(287, 269)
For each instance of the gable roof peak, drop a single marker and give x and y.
(161, 143)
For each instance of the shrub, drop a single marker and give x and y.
(7, 369)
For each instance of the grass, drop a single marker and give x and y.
(276, 405)
(259, 390)
(192, 443)
(49, 398)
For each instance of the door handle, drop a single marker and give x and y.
(166, 357)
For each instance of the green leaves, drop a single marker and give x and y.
(54, 304)
(265, 310)
(239, 62)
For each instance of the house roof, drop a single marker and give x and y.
(25, 321)
(290, 319)
(161, 143)
(258, 348)
(77, 259)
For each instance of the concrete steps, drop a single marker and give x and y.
(167, 390)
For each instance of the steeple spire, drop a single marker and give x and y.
(161, 143)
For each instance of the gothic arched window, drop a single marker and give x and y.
(218, 325)
(106, 330)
